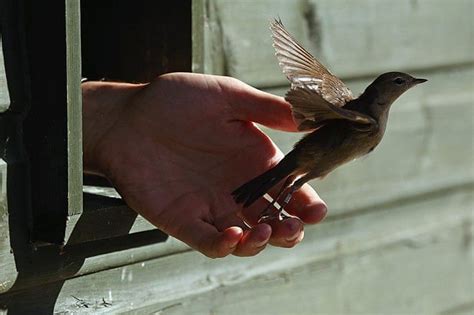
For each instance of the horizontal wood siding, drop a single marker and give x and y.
(410, 257)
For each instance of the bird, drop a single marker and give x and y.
(339, 127)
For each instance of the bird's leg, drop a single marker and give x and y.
(287, 199)
(270, 212)
(297, 185)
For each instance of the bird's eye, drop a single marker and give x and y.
(399, 81)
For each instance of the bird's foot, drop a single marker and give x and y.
(267, 216)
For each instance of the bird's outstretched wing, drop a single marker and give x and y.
(309, 78)
(311, 110)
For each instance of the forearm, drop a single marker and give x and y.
(102, 105)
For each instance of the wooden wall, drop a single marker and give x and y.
(399, 235)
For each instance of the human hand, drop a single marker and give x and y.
(177, 147)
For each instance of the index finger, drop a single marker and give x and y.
(251, 104)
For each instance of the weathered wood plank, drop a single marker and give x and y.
(463, 309)
(325, 273)
(74, 105)
(393, 280)
(198, 22)
(4, 95)
(353, 38)
(7, 263)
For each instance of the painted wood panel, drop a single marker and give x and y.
(74, 106)
(352, 38)
(7, 263)
(337, 269)
(4, 95)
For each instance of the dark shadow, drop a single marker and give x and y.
(155, 35)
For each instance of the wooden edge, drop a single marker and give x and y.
(74, 106)
(198, 17)
(4, 95)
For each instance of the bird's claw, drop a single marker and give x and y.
(275, 215)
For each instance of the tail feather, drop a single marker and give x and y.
(249, 192)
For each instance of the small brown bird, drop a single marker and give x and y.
(344, 127)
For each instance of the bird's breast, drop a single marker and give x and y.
(331, 146)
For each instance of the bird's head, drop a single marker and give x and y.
(389, 86)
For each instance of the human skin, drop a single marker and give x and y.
(177, 147)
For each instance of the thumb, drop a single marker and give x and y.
(251, 104)
(205, 238)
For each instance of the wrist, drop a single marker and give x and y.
(103, 104)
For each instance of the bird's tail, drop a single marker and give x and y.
(249, 192)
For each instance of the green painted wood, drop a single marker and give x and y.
(198, 20)
(353, 38)
(389, 251)
(4, 95)
(7, 264)
(463, 309)
(74, 105)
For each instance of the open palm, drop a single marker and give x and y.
(176, 148)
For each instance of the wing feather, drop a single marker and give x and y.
(310, 110)
(316, 94)
(302, 69)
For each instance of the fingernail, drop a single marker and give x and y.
(264, 234)
(293, 238)
(318, 213)
(231, 235)
(298, 237)
(262, 243)
(232, 246)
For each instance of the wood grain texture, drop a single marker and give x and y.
(338, 268)
(74, 106)
(7, 264)
(352, 38)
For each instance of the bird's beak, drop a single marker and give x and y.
(418, 81)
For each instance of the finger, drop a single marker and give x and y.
(233, 219)
(254, 240)
(251, 104)
(205, 238)
(286, 233)
(306, 205)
